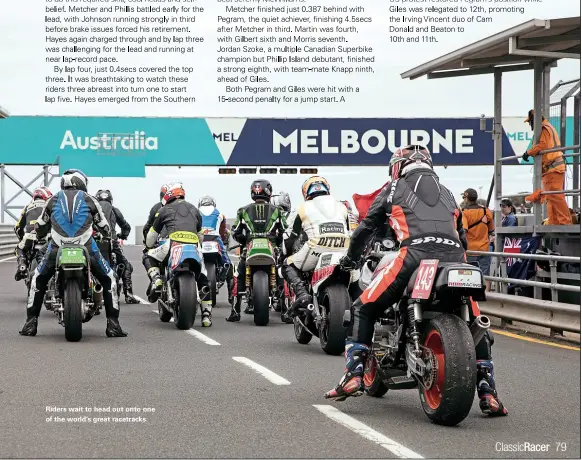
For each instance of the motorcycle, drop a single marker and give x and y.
(75, 296)
(179, 297)
(216, 271)
(260, 277)
(328, 284)
(106, 250)
(425, 340)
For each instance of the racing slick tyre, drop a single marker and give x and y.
(211, 276)
(372, 380)
(73, 312)
(448, 387)
(260, 295)
(332, 333)
(187, 301)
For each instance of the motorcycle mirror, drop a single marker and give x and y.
(388, 243)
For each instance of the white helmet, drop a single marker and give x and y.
(282, 200)
(74, 178)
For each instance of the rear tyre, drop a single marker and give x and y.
(260, 293)
(187, 301)
(211, 276)
(452, 381)
(301, 335)
(372, 380)
(332, 333)
(73, 312)
(165, 315)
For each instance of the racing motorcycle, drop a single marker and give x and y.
(74, 295)
(427, 340)
(215, 270)
(260, 277)
(328, 284)
(179, 297)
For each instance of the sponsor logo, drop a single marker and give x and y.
(326, 260)
(109, 141)
(332, 241)
(225, 137)
(259, 208)
(372, 141)
(331, 227)
(392, 191)
(432, 239)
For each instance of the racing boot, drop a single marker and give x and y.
(352, 383)
(155, 288)
(249, 310)
(206, 310)
(489, 402)
(30, 326)
(235, 313)
(114, 329)
(21, 268)
(302, 298)
(230, 287)
(129, 298)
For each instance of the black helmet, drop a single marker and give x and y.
(104, 195)
(74, 178)
(261, 189)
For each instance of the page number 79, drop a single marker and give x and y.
(561, 446)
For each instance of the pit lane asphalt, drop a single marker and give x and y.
(209, 405)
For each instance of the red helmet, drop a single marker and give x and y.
(406, 156)
(163, 191)
(175, 190)
(41, 193)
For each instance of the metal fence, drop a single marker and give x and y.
(8, 240)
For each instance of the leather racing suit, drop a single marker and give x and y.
(214, 223)
(155, 209)
(115, 218)
(70, 216)
(256, 218)
(177, 216)
(427, 223)
(26, 234)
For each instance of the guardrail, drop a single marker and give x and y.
(556, 316)
(8, 240)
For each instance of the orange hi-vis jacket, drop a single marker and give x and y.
(551, 162)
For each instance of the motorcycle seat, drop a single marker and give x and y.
(442, 275)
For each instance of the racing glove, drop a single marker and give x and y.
(525, 157)
(347, 264)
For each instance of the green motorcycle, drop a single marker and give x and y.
(260, 277)
(76, 296)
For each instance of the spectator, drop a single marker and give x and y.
(480, 227)
(508, 212)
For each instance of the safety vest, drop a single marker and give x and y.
(552, 162)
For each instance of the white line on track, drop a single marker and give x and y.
(141, 300)
(194, 333)
(8, 258)
(365, 431)
(269, 375)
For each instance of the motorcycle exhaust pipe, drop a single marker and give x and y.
(479, 328)
(98, 295)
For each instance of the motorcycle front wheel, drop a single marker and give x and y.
(448, 388)
(73, 313)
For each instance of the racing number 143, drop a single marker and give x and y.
(424, 279)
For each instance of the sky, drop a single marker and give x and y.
(384, 94)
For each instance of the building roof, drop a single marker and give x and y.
(550, 39)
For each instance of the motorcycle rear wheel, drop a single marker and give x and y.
(73, 313)
(372, 380)
(301, 335)
(187, 301)
(332, 333)
(449, 398)
(260, 293)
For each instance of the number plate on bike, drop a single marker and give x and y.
(425, 279)
(465, 279)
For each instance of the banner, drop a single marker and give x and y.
(123, 147)
(521, 268)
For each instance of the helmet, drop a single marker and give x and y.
(163, 191)
(74, 178)
(347, 204)
(315, 186)
(261, 189)
(416, 155)
(282, 200)
(175, 190)
(207, 201)
(104, 195)
(41, 193)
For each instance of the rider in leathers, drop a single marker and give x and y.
(154, 213)
(319, 214)
(115, 218)
(176, 215)
(283, 201)
(24, 229)
(423, 214)
(257, 217)
(214, 222)
(69, 216)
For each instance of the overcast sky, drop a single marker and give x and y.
(386, 95)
